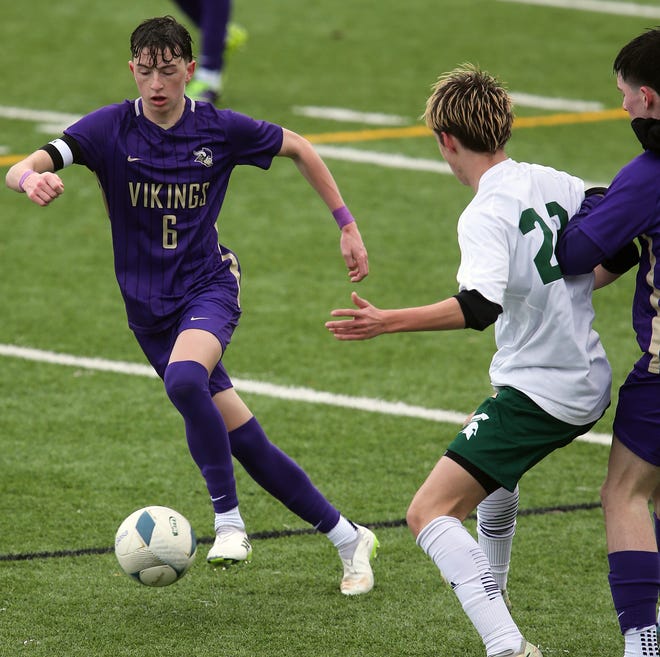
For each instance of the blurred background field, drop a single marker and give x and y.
(82, 448)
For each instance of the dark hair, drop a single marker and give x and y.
(159, 35)
(638, 62)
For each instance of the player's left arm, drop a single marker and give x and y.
(34, 176)
(577, 253)
(317, 174)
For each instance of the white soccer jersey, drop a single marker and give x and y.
(546, 346)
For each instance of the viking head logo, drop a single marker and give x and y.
(204, 156)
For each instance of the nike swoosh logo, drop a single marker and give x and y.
(133, 159)
(194, 319)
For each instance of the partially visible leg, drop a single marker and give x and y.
(192, 9)
(435, 517)
(655, 499)
(214, 21)
(186, 378)
(633, 552)
(284, 479)
(656, 526)
(219, 38)
(496, 527)
(186, 383)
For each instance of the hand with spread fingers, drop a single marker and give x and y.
(364, 322)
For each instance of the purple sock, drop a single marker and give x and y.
(634, 582)
(281, 476)
(656, 524)
(187, 385)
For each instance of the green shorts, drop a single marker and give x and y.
(507, 436)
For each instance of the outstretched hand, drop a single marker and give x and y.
(365, 321)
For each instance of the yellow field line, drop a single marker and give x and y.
(422, 131)
(8, 160)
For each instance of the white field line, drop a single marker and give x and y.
(599, 6)
(349, 116)
(48, 122)
(390, 160)
(289, 393)
(520, 99)
(396, 161)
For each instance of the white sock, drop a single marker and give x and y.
(210, 77)
(641, 642)
(231, 518)
(496, 526)
(464, 565)
(344, 537)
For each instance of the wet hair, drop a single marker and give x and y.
(164, 37)
(473, 106)
(638, 62)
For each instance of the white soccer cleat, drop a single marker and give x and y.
(527, 649)
(231, 546)
(358, 576)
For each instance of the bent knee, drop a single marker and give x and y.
(185, 381)
(418, 516)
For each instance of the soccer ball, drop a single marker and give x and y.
(155, 545)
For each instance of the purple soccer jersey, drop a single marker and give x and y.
(164, 190)
(630, 210)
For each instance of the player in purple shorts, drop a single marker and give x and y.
(628, 211)
(163, 162)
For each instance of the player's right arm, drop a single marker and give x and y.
(366, 321)
(34, 175)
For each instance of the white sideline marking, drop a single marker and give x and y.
(349, 116)
(49, 122)
(290, 393)
(391, 160)
(599, 6)
(37, 116)
(397, 161)
(560, 104)
(520, 99)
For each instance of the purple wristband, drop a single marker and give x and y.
(342, 216)
(27, 173)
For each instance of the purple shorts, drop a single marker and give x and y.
(216, 310)
(637, 418)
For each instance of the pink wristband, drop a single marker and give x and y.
(27, 173)
(342, 216)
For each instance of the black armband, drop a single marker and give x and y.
(478, 311)
(595, 191)
(623, 260)
(63, 151)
